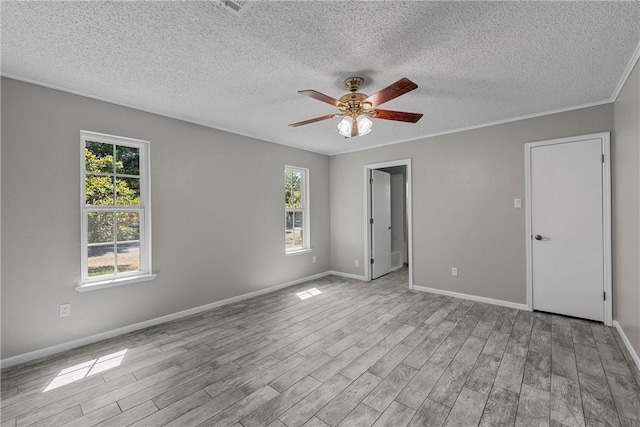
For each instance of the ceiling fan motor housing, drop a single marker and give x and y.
(352, 102)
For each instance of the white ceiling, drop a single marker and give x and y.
(475, 62)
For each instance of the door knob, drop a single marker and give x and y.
(538, 237)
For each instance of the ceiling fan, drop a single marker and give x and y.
(356, 108)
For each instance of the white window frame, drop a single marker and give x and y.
(144, 210)
(306, 243)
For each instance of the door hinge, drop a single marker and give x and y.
(371, 221)
(370, 180)
(371, 260)
(604, 295)
(603, 158)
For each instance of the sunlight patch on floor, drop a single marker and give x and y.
(86, 369)
(308, 293)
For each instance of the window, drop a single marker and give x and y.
(116, 241)
(296, 210)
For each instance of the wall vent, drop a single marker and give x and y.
(237, 7)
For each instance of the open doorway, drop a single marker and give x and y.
(388, 242)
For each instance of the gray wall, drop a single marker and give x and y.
(626, 209)
(463, 190)
(398, 214)
(217, 219)
(207, 186)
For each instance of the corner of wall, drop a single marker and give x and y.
(626, 210)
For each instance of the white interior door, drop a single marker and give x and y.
(567, 246)
(381, 226)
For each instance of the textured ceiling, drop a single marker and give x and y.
(475, 62)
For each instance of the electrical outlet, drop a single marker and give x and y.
(65, 310)
(356, 263)
(313, 259)
(454, 271)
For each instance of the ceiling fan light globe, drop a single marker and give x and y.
(364, 125)
(344, 127)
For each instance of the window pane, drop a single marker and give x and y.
(128, 257)
(98, 157)
(128, 226)
(298, 220)
(128, 191)
(99, 190)
(127, 160)
(293, 230)
(100, 227)
(288, 217)
(101, 260)
(288, 230)
(292, 189)
(297, 230)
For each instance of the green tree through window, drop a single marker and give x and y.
(292, 189)
(295, 209)
(112, 180)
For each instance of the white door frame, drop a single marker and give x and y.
(606, 214)
(367, 215)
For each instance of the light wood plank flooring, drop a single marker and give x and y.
(340, 353)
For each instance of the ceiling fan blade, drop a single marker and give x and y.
(354, 127)
(317, 119)
(399, 116)
(398, 88)
(320, 97)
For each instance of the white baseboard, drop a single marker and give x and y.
(471, 297)
(347, 275)
(627, 344)
(48, 351)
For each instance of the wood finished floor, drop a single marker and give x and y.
(356, 354)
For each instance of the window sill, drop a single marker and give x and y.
(92, 286)
(299, 252)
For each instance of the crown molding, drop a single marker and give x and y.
(147, 110)
(482, 125)
(627, 72)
